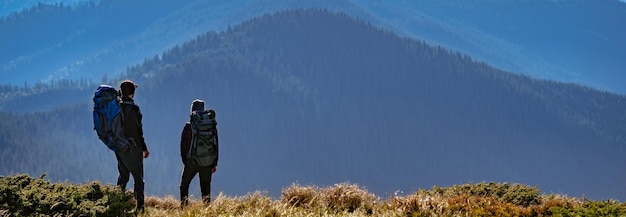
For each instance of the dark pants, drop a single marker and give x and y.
(131, 162)
(190, 170)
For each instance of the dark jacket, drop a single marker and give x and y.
(133, 129)
(185, 142)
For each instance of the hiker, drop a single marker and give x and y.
(199, 151)
(130, 161)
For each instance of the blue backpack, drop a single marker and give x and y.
(108, 118)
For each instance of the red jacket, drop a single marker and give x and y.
(185, 141)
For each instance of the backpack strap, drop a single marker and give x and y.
(194, 137)
(126, 105)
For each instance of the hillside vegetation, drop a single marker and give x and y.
(312, 96)
(21, 195)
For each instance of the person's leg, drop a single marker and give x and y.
(134, 162)
(124, 173)
(189, 171)
(205, 183)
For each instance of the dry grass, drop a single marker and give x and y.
(347, 199)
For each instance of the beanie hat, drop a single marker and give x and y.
(197, 105)
(127, 87)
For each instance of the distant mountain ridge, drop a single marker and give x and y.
(9, 7)
(317, 97)
(557, 40)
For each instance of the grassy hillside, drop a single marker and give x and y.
(21, 195)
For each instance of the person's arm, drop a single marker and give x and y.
(185, 140)
(133, 127)
(139, 137)
(217, 150)
(217, 147)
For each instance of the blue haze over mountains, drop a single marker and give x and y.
(316, 97)
(572, 41)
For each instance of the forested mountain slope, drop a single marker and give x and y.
(316, 97)
(572, 41)
(51, 42)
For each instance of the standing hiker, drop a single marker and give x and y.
(199, 151)
(130, 161)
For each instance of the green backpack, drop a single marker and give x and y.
(204, 146)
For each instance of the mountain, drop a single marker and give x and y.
(569, 41)
(9, 7)
(317, 97)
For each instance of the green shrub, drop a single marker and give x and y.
(21, 195)
(591, 209)
(516, 194)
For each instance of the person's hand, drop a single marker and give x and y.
(214, 170)
(146, 153)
